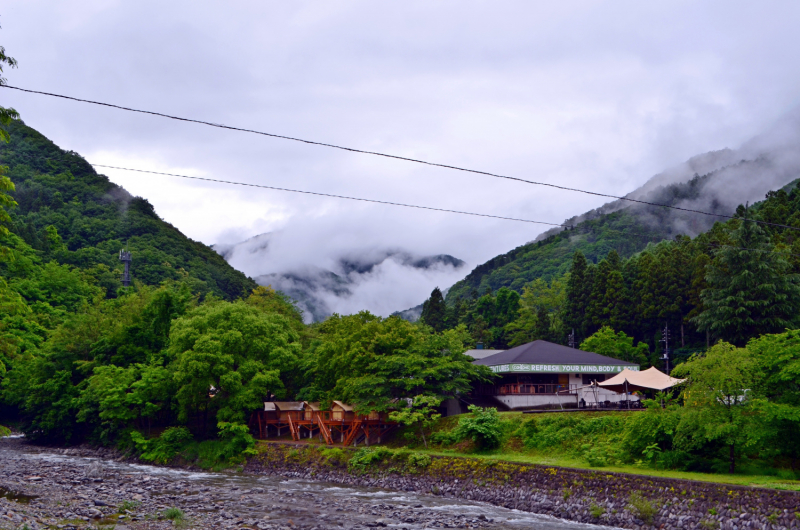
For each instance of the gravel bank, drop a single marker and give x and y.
(85, 488)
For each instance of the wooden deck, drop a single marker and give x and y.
(346, 429)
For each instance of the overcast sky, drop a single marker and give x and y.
(600, 95)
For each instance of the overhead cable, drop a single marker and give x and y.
(386, 155)
(408, 205)
(334, 196)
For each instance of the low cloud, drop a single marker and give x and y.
(329, 277)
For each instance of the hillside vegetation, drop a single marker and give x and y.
(666, 284)
(68, 214)
(624, 227)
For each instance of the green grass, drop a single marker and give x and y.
(576, 463)
(127, 506)
(565, 447)
(174, 514)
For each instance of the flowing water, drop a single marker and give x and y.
(268, 498)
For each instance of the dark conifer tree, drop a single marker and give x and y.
(597, 312)
(453, 314)
(750, 289)
(578, 290)
(434, 311)
(507, 306)
(542, 328)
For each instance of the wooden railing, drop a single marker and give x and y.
(349, 428)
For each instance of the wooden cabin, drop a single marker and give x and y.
(312, 408)
(295, 409)
(304, 419)
(342, 412)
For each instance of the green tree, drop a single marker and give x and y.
(540, 312)
(721, 404)
(372, 362)
(577, 296)
(751, 290)
(434, 311)
(482, 426)
(617, 345)
(227, 358)
(271, 301)
(420, 415)
(608, 293)
(778, 357)
(116, 398)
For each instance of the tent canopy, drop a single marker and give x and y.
(650, 379)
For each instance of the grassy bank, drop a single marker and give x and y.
(588, 496)
(612, 441)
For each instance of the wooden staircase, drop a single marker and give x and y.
(324, 430)
(294, 430)
(352, 433)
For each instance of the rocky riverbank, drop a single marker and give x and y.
(292, 487)
(84, 488)
(597, 497)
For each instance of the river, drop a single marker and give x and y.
(42, 486)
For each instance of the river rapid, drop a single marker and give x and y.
(46, 488)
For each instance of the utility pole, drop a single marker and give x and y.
(665, 340)
(125, 257)
(572, 339)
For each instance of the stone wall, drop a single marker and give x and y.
(589, 496)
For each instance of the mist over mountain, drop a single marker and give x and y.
(718, 182)
(342, 280)
(715, 182)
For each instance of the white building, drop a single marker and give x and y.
(542, 374)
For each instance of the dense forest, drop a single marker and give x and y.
(668, 285)
(625, 227)
(68, 214)
(192, 345)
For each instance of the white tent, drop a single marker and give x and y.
(650, 379)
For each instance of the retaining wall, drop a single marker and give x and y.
(589, 496)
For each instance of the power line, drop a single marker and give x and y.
(386, 155)
(332, 195)
(648, 235)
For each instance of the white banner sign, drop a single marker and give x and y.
(563, 368)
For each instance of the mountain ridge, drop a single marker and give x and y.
(95, 218)
(732, 177)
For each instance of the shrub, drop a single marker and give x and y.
(237, 440)
(596, 456)
(365, 457)
(482, 426)
(173, 514)
(334, 456)
(642, 508)
(418, 461)
(443, 438)
(655, 426)
(127, 506)
(164, 448)
(596, 511)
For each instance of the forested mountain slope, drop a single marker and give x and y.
(70, 214)
(715, 182)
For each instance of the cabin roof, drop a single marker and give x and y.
(544, 352)
(284, 406)
(481, 354)
(343, 406)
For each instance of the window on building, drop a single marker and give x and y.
(587, 379)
